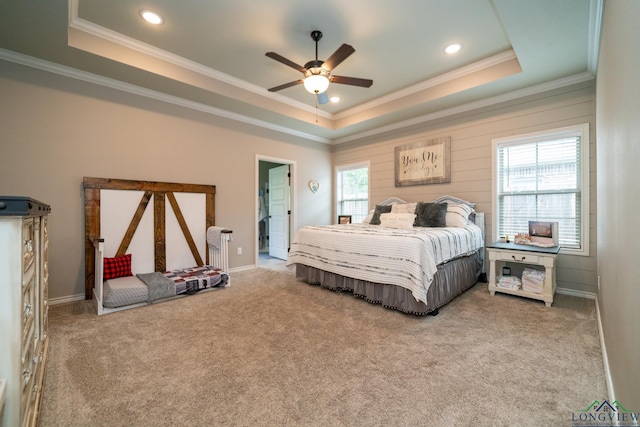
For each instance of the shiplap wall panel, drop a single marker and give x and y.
(471, 174)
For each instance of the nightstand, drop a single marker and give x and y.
(503, 254)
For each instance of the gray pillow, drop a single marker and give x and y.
(431, 215)
(380, 209)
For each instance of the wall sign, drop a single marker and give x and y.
(423, 163)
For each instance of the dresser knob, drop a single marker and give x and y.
(27, 311)
(26, 376)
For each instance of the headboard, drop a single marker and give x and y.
(100, 192)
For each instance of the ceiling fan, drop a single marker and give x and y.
(317, 73)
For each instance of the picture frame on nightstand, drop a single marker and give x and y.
(344, 219)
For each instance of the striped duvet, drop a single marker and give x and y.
(407, 258)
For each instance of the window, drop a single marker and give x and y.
(544, 177)
(352, 190)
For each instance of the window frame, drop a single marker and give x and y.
(346, 167)
(584, 179)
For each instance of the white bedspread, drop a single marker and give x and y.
(407, 258)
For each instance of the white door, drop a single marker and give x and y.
(279, 211)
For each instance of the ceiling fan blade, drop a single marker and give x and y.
(286, 85)
(338, 56)
(323, 98)
(353, 81)
(285, 61)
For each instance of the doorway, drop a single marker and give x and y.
(275, 220)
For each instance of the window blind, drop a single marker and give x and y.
(353, 192)
(541, 181)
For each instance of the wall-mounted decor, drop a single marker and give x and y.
(344, 219)
(423, 163)
(314, 185)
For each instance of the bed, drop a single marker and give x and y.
(149, 241)
(119, 288)
(410, 257)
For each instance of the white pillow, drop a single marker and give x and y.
(397, 220)
(458, 215)
(404, 208)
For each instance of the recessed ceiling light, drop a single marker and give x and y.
(453, 48)
(334, 99)
(151, 17)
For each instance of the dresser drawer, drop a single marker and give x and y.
(517, 257)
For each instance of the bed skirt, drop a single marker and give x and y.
(451, 279)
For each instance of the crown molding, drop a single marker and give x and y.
(73, 73)
(521, 93)
(595, 29)
(500, 58)
(76, 74)
(92, 29)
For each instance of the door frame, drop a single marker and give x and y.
(293, 222)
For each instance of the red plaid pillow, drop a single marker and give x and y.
(119, 266)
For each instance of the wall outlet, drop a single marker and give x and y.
(239, 251)
(598, 282)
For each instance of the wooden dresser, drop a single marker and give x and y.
(24, 280)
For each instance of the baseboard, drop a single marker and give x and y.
(605, 358)
(63, 300)
(574, 293)
(243, 268)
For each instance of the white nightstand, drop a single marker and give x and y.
(501, 254)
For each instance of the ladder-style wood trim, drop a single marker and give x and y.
(185, 229)
(133, 226)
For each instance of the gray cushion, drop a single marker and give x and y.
(380, 209)
(431, 214)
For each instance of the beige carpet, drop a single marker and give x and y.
(270, 350)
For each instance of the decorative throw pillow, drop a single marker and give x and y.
(458, 215)
(409, 208)
(397, 220)
(119, 266)
(367, 219)
(431, 214)
(380, 209)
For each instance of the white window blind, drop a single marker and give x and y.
(352, 188)
(543, 178)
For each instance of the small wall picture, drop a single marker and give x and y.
(344, 219)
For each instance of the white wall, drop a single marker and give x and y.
(54, 131)
(471, 135)
(618, 153)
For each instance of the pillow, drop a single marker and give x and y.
(409, 208)
(397, 220)
(458, 215)
(367, 219)
(380, 209)
(431, 214)
(119, 266)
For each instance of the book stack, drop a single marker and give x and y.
(532, 280)
(509, 282)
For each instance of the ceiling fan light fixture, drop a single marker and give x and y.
(316, 80)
